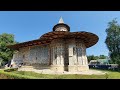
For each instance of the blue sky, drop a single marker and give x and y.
(30, 25)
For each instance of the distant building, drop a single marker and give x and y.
(59, 50)
(99, 62)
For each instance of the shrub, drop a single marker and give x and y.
(11, 69)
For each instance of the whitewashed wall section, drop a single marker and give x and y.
(17, 58)
(57, 52)
(32, 55)
(81, 53)
(39, 55)
(21, 56)
(72, 51)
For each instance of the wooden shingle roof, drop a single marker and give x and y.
(88, 38)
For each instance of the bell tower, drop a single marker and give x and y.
(61, 26)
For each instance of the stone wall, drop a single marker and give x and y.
(57, 54)
(39, 55)
(17, 58)
(61, 54)
(72, 52)
(32, 55)
(69, 54)
(21, 56)
(81, 53)
(77, 56)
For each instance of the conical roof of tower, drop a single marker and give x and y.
(61, 23)
(61, 20)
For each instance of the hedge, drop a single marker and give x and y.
(11, 69)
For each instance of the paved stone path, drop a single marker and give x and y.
(48, 71)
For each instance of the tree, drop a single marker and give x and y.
(6, 53)
(102, 57)
(113, 41)
(91, 57)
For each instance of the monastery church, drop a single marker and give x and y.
(59, 50)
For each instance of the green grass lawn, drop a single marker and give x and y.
(33, 75)
(112, 74)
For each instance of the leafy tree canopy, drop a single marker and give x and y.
(92, 57)
(6, 53)
(113, 41)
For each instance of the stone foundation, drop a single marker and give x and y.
(57, 68)
(83, 68)
(77, 68)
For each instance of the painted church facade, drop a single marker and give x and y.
(59, 50)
